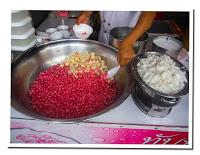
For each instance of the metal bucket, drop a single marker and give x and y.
(117, 34)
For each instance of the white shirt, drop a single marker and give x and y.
(112, 19)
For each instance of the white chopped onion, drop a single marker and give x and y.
(161, 74)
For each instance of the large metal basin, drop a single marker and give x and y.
(27, 67)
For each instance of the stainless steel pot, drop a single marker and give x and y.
(150, 90)
(150, 101)
(26, 68)
(117, 34)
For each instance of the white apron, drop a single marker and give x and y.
(111, 19)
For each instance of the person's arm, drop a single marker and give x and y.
(84, 17)
(126, 52)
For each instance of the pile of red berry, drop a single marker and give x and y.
(56, 93)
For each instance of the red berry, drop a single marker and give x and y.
(57, 94)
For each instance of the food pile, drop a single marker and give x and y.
(85, 62)
(78, 87)
(161, 74)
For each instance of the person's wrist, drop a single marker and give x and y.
(129, 41)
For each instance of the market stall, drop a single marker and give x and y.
(125, 123)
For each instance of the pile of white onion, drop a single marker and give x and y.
(161, 74)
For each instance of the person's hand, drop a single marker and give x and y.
(126, 53)
(83, 18)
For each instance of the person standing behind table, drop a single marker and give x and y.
(140, 21)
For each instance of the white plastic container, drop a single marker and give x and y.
(56, 35)
(82, 31)
(23, 48)
(22, 27)
(21, 42)
(19, 15)
(43, 34)
(51, 30)
(66, 34)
